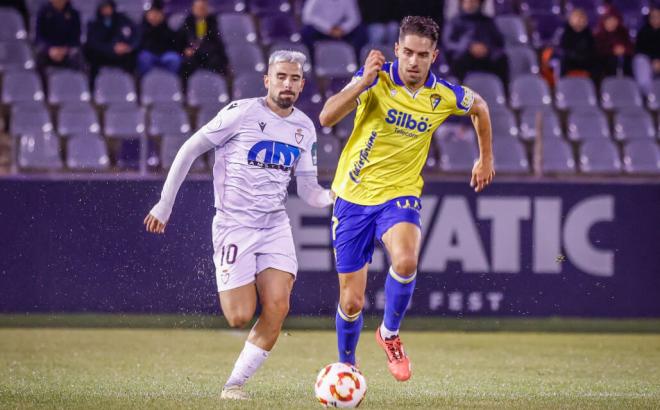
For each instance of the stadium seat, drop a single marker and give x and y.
(503, 123)
(550, 123)
(114, 86)
(653, 98)
(312, 110)
(632, 124)
(557, 157)
(175, 20)
(260, 7)
(587, 124)
(505, 6)
(134, 9)
(458, 154)
(311, 91)
(87, 151)
(386, 49)
(532, 6)
(509, 156)
(124, 121)
(11, 25)
(620, 92)
(160, 86)
(641, 157)
(599, 157)
(278, 27)
(29, 118)
(21, 86)
(334, 59)
(529, 91)
(512, 28)
(67, 86)
(39, 150)
(545, 26)
(328, 153)
(206, 87)
(489, 86)
(244, 58)
(344, 128)
(15, 55)
(77, 118)
(205, 114)
(248, 85)
(170, 145)
(522, 61)
(168, 119)
(574, 92)
(228, 6)
(288, 45)
(237, 29)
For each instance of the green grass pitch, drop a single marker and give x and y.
(136, 368)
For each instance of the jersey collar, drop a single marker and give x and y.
(394, 76)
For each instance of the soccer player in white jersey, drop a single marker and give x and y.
(257, 143)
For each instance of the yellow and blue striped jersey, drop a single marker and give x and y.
(387, 149)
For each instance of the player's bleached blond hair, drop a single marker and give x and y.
(287, 56)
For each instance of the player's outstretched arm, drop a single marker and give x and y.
(195, 146)
(312, 193)
(483, 170)
(339, 105)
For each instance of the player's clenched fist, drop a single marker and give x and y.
(153, 224)
(372, 65)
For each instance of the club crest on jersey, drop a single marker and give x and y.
(299, 135)
(262, 125)
(435, 100)
(273, 155)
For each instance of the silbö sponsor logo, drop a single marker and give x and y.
(354, 174)
(405, 120)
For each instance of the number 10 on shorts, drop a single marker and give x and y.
(228, 254)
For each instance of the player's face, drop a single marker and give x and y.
(415, 55)
(284, 82)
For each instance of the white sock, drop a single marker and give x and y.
(248, 362)
(386, 333)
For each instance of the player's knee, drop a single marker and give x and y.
(405, 265)
(279, 307)
(352, 304)
(238, 319)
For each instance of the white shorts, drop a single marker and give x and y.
(241, 253)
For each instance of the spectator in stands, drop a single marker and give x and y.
(474, 43)
(202, 45)
(159, 45)
(112, 39)
(577, 45)
(333, 20)
(646, 64)
(58, 35)
(613, 44)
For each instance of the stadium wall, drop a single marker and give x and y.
(520, 249)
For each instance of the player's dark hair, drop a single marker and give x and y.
(420, 26)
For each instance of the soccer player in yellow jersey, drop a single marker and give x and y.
(378, 184)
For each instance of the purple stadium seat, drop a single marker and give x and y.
(67, 86)
(641, 156)
(39, 150)
(575, 92)
(87, 151)
(599, 157)
(206, 87)
(278, 27)
(77, 118)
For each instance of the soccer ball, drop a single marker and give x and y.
(340, 385)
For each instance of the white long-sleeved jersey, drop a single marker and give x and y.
(255, 153)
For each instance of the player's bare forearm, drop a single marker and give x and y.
(340, 105)
(480, 117)
(483, 171)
